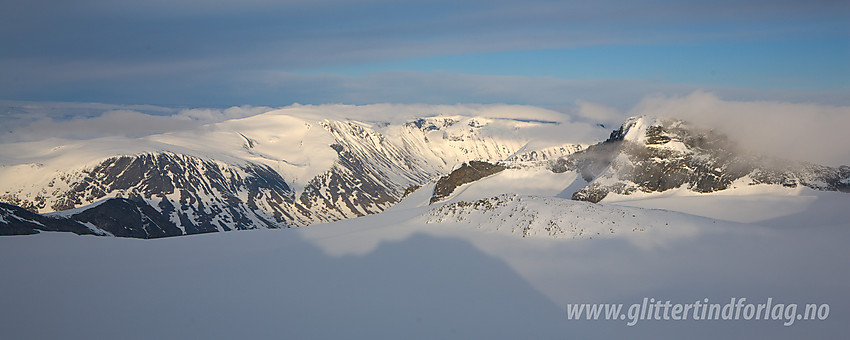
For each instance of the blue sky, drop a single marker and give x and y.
(818, 64)
(548, 53)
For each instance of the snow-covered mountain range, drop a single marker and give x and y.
(272, 170)
(648, 154)
(291, 167)
(469, 224)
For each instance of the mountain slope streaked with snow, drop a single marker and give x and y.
(283, 168)
(295, 167)
(466, 227)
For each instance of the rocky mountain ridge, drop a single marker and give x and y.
(179, 193)
(653, 155)
(366, 168)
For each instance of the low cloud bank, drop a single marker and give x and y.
(809, 132)
(32, 121)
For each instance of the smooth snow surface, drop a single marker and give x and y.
(391, 276)
(769, 205)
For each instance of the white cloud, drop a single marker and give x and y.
(398, 113)
(28, 121)
(208, 115)
(599, 113)
(801, 131)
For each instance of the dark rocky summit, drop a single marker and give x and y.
(466, 173)
(657, 155)
(163, 194)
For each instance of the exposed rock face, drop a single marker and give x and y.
(371, 174)
(592, 161)
(811, 175)
(348, 189)
(173, 194)
(192, 195)
(132, 218)
(544, 155)
(158, 194)
(114, 217)
(657, 155)
(549, 217)
(15, 220)
(466, 173)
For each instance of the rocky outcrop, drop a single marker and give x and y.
(114, 217)
(15, 220)
(654, 155)
(466, 173)
(133, 218)
(159, 194)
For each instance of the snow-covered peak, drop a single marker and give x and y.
(661, 133)
(296, 165)
(651, 154)
(634, 129)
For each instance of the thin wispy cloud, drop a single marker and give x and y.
(202, 52)
(452, 87)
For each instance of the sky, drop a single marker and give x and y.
(218, 53)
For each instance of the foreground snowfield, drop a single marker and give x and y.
(392, 275)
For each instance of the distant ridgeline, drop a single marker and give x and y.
(274, 171)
